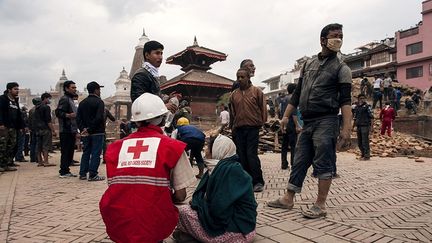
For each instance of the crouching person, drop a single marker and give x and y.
(223, 206)
(147, 173)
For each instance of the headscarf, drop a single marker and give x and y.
(223, 147)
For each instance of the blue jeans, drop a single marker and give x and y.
(90, 159)
(316, 147)
(20, 146)
(33, 147)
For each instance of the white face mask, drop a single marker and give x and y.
(334, 44)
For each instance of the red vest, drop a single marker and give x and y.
(137, 206)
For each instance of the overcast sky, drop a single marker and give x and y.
(94, 39)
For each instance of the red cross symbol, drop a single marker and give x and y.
(138, 149)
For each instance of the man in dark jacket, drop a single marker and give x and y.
(324, 87)
(91, 123)
(10, 123)
(36, 102)
(42, 123)
(146, 79)
(289, 138)
(66, 114)
(363, 119)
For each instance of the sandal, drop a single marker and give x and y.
(277, 204)
(314, 212)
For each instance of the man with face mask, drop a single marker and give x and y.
(324, 87)
(363, 119)
(44, 129)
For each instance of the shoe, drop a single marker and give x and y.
(2, 169)
(22, 160)
(314, 212)
(10, 168)
(285, 167)
(96, 178)
(48, 164)
(75, 163)
(258, 187)
(14, 165)
(40, 164)
(83, 177)
(68, 175)
(366, 158)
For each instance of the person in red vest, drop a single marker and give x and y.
(387, 117)
(147, 173)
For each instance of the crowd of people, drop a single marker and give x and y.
(150, 166)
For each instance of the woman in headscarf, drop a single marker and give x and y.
(223, 206)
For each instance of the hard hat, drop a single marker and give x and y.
(182, 121)
(147, 106)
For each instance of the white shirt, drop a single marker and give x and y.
(377, 83)
(225, 117)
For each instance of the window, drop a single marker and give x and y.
(414, 48)
(414, 72)
(380, 58)
(274, 85)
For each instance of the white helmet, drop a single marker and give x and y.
(147, 106)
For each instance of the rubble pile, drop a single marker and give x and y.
(399, 144)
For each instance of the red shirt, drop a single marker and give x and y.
(387, 114)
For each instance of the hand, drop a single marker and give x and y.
(344, 140)
(54, 133)
(284, 124)
(84, 133)
(299, 129)
(171, 107)
(2, 127)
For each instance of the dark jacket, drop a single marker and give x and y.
(91, 112)
(324, 86)
(143, 82)
(363, 115)
(187, 132)
(65, 106)
(41, 117)
(10, 113)
(225, 201)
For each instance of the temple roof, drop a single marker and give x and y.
(198, 78)
(196, 57)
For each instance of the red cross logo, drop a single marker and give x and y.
(138, 149)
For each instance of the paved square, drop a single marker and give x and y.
(382, 200)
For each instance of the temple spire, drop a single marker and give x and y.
(195, 42)
(143, 32)
(63, 72)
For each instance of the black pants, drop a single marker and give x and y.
(195, 146)
(246, 141)
(67, 144)
(289, 139)
(377, 97)
(363, 140)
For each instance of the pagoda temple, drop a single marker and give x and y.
(203, 87)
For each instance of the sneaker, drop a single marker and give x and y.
(96, 178)
(10, 168)
(258, 187)
(283, 167)
(68, 175)
(82, 177)
(75, 163)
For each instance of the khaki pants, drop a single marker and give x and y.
(8, 138)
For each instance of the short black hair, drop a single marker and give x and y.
(361, 95)
(243, 63)
(325, 31)
(151, 46)
(291, 88)
(45, 96)
(11, 85)
(67, 84)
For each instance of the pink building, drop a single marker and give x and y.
(414, 51)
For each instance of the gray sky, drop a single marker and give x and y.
(94, 39)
